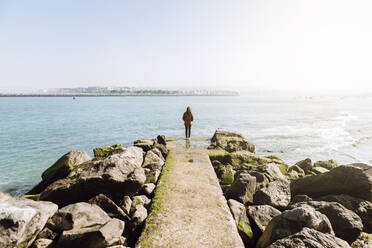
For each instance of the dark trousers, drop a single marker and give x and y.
(187, 131)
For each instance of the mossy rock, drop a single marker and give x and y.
(60, 169)
(319, 170)
(283, 168)
(101, 152)
(35, 197)
(305, 165)
(245, 231)
(246, 160)
(327, 164)
(150, 179)
(297, 169)
(54, 172)
(227, 176)
(364, 240)
(225, 173)
(292, 174)
(218, 154)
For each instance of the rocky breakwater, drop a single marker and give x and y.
(304, 205)
(84, 202)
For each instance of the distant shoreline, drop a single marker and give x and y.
(105, 95)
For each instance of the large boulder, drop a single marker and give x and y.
(262, 215)
(96, 236)
(78, 215)
(230, 141)
(21, 220)
(346, 224)
(291, 222)
(116, 175)
(310, 238)
(243, 188)
(354, 180)
(60, 169)
(276, 194)
(242, 222)
(359, 206)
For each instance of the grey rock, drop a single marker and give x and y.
(114, 176)
(152, 160)
(107, 205)
(363, 241)
(145, 144)
(162, 148)
(224, 172)
(261, 180)
(158, 153)
(43, 243)
(276, 194)
(148, 188)
(359, 206)
(47, 233)
(293, 221)
(78, 215)
(346, 224)
(300, 198)
(126, 204)
(60, 169)
(161, 140)
(243, 187)
(310, 238)
(242, 222)
(354, 180)
(21, 220)
(327, 164)
(152, 175)
(138, 218)
(97, 236)
(262, 215)
(231, 141)
(272, 172)
(139, 200)
(137, 177)
(305, 164)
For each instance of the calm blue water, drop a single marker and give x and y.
(35, 132)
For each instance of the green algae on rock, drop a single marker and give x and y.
(230, 141)
(327, 164)
(100, 152)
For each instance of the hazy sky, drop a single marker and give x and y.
(261, 44)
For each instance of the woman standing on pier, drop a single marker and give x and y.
(188, 119)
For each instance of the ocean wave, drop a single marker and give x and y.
(363, 140)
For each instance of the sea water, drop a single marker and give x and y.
(36, 131)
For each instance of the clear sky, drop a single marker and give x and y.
(239, 44)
